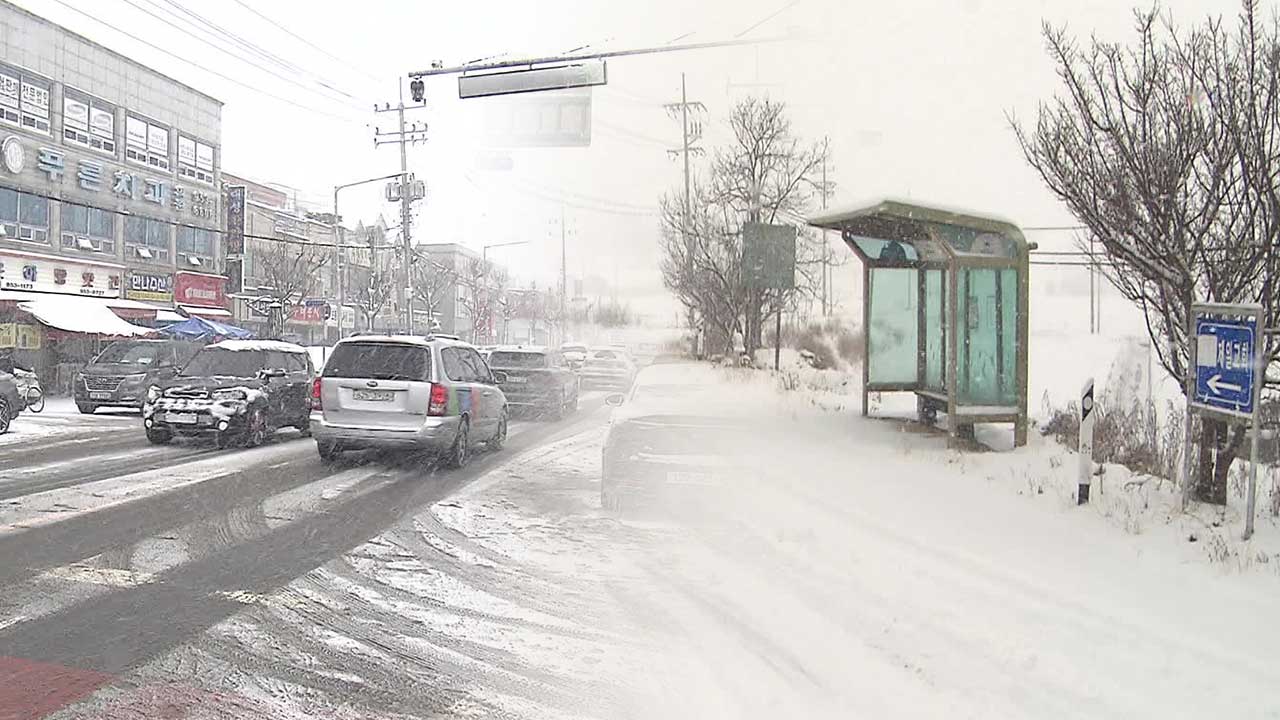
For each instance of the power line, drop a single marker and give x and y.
(215, 73)
(258, 50)
(604, 210)
(230, 53)
(344, 62)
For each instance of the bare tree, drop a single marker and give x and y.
(481, 287)
(765, 174)
(373, 294)
(1150, 148)
(287, 273)
(431, 283)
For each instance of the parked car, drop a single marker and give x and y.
(575, 354)
(609, 368)
(537, 379)
(236, 390)
(10, 401)
(434, 394)
(121, 374)
(672, 439)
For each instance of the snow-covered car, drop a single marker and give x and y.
(536, 378)
(608, 368)
(575, 354)
(235, 390)
(121, 374)
(407, 392)
(10, 401)
(671, 437)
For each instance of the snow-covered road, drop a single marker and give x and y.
(855, 568)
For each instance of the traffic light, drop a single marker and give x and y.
(417, 89)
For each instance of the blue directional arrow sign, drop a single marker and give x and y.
(1225, 363)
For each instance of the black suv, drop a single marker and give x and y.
(121, 374)
(537, 379)
(236, 390)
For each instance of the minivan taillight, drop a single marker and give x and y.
(316, 402)
(439, 402)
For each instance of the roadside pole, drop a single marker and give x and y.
(777, 341)
(1087, 418)
(1259, 374)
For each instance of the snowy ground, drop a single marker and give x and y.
(857, 568)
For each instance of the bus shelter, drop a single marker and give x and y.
(944, 311)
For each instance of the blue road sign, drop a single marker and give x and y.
(1225, 363)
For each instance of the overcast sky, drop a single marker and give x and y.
(913, 95)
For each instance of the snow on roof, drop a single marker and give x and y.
(81, 315)
(257, 345)
(407, 339)
(521, 348)
(893, 206)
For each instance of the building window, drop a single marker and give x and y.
(86, 228)
(195, 247)
(195, 160)
(147, 239)
(24, 100)
(24, 216)
(146, 143)
(88, 121)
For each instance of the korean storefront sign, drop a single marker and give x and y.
(155, 287)
(200, 289)
(121, 183)
(40, 273)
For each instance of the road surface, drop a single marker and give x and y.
(849, 573)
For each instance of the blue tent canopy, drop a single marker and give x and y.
(197, 328)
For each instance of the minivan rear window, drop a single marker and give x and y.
(501, 359)
(379, 361)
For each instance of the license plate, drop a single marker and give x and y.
(180, 418)
(517, 380)
(99, 395)
(374, 395)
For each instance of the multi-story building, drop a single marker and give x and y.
(455, 262)
(109, 181)
(277, 228)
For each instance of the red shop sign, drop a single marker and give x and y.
(200, 289)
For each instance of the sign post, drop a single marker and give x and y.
(1228, 356)
(1087, 417)
(769, 262)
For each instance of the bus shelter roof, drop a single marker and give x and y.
(893, 233)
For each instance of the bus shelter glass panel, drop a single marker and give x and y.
(893, 334)
(1009, 339)
(935, 307)
(886, 250)
(986, 366)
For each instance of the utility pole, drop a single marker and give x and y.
(403, 136)
(690, 134)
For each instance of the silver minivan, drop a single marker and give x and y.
(400, 391)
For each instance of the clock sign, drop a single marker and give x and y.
(12, 154)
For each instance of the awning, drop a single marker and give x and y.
(168, 316)
(205, 311)
(91, 316)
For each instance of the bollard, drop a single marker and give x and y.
(1086, 442)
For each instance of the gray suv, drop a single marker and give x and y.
(399, 391)
(125, 370)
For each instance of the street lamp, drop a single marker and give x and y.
(484, 260)
(339, 250)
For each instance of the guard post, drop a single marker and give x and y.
(1086, 443)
